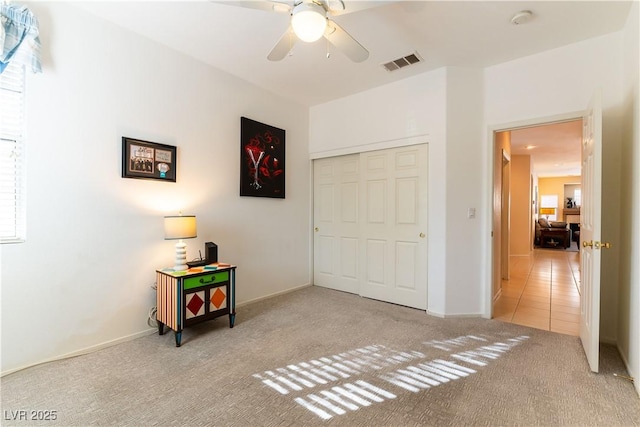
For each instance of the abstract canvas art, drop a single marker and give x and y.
(262, 159)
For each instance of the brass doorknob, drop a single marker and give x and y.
(602, 245)
(316, 229)
(596, 244)
(422, 235)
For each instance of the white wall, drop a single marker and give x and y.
(396, 113)
(465, 163)
(84, 276)
(629, 299)
(446, 105)
(94, 239)
(558, 82)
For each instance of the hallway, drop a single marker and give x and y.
(542, 292)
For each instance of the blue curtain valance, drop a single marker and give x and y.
(19, 37)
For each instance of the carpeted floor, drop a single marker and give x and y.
(321, 357)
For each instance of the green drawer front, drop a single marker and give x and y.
(196, 282)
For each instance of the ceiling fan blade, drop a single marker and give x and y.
(335, 5)
(339, 7)
(345, 43)
(266, 5)
(284, 46)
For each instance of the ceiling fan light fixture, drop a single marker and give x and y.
(309, 21)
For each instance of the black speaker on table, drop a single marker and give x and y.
(211, 252)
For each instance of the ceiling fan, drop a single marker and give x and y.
(309, 22)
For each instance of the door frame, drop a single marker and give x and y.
(491, 147)
(505, 215)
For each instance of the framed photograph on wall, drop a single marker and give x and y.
(148, 160)
(262, 159)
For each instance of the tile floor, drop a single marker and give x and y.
(543, 291)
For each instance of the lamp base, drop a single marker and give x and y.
(181, 257)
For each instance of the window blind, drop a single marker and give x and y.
(12, 180)
(577, 196)
(550, 201)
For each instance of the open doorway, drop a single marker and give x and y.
(541, 286)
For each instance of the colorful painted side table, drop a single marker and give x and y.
(192, 296)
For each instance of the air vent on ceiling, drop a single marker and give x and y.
(396, 64)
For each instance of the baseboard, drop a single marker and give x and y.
(84, 351)
(464, 316)
(636, 380)
(286, 291)
(131, 337)
(454, 316)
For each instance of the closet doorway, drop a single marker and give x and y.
(370, 224)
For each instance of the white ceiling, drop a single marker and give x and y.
(444, 33)
(555, 148)
(456, 33)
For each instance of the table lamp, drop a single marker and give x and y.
(178, 228)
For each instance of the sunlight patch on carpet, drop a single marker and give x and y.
(362, 377)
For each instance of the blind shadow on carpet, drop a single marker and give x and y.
(323, 357)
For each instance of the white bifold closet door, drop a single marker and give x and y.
(370, 219)
(336, 219)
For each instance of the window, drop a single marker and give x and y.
(12, 180)
(549, 206)
(577, 196)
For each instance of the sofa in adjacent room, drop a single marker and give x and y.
(552, 234)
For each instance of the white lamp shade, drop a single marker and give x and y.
(180, 227)
(309, 21)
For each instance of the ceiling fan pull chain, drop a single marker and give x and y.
(290, 42)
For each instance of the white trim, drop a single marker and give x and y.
(311, 231)
(85, 350)
(455, 316)
(275, 294)
(363, 148)
(547, 120)
(627, 367)
(435, 314)
(106, 344)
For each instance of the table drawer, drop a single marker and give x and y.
(206, 279)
